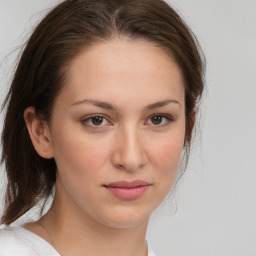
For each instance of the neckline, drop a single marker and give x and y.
(39, 238)
(42, 240)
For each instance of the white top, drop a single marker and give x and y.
(18, 241)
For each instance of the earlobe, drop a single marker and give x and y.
(39, 133)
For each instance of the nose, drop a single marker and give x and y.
(129, 150)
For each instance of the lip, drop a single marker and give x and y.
(128, 190)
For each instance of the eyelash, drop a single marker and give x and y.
(86, 120)
(168, 118)
(89, 118)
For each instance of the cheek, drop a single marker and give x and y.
(80, 154)
(167, 153)
(165, 156)
(167, 161)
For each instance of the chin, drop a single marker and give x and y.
(125, 218)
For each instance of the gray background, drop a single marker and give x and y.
(216, 201)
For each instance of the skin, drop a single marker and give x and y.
(85, 218)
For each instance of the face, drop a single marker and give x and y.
(117, 132)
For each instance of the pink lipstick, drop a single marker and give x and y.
(126, 190)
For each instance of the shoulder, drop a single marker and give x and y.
(17, 241)
(150, 251)
(13, 241)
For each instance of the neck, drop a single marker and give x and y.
(74, 233)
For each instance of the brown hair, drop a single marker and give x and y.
(60, 36)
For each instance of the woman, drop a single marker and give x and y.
(101, 107)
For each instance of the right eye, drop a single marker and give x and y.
(96, 121)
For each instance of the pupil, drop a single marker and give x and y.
(97, 120)
(156, 119)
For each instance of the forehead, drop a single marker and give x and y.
(124, 68)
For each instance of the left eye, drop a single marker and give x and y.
(96, 121)
(159, 120)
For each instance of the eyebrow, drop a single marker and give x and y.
(160, 104)
(106, 105)
(96, 103)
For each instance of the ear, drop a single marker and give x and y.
(39, 133)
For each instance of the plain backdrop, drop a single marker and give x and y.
(216, 201)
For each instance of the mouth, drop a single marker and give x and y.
(126, 190)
